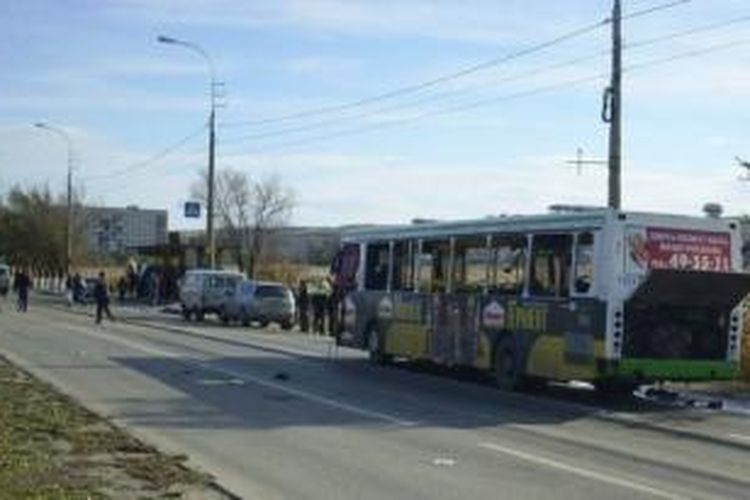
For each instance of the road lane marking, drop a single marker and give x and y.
(741, 437)
(579, 471)
(310, 396)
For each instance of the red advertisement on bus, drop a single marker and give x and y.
(668, 248)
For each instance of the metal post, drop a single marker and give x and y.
(69, 216)
(615, 103)
(210, 208)
(69, 196)
(211, 143)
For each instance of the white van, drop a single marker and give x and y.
(205, 291)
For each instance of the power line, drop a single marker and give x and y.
(139, 165)
(495, 100)
(515, 77)
(410, 89)
(688, 54)
(429, 83)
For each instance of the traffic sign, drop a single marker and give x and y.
(192, 209)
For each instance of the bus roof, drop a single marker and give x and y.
(575, 221)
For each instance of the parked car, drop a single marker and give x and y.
(4, 279)
(263, 302)
(206, 292)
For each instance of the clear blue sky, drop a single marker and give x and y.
(95, 69)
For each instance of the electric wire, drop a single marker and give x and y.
(514, 77)
(508, 97)
(142, 164)
(410, 89)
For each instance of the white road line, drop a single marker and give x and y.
(323, 400)
(587, 473)
(741, 437)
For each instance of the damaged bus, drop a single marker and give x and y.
(614, 298)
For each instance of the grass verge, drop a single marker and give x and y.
(53, 448)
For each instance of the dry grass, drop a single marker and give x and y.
(52, 448)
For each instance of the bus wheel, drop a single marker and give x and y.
(507, 366)
(375, 347)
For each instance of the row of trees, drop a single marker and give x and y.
(33, 226)
(248, 211)
(33, 222)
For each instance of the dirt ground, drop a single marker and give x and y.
(52, 448)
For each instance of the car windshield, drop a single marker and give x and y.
(275, 292)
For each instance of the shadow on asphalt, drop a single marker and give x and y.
(264, 392)
(558, 392)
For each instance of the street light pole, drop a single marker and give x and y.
(69, 214)
(211, 143)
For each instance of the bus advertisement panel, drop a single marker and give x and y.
(670, 248)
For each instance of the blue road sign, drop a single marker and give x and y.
(192, 209)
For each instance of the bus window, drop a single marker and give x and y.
(584, 259)
(508, 264)
(439, 252)
(470, 264)
(403, 262)
(550, 265)
(376, 266)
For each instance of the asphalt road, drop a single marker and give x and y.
(275, 415)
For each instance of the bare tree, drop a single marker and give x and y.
(247, 211)
(272, 206)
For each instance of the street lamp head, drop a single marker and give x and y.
(166, 39)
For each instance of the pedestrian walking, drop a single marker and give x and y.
(303, 302)
(101, 295)
(69, 296)
(21, 285)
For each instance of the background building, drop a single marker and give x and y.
(117, 230)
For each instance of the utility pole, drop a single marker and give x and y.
(69, 214)
(211, 142)
(211, 162)
(612, 110)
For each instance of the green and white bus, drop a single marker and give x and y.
(614, 298)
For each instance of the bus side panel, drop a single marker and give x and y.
(556, 339)
(408, 327)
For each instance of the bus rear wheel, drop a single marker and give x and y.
(507, 366)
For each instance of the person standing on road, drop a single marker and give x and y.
(122, 289)
(21, 285)
(101, 295)
(303, 301)
(319, 302)
(69, 294)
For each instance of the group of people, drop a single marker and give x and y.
(322, 301)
